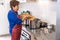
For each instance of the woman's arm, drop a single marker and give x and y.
(15, 19)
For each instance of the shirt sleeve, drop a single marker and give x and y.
(15, 19)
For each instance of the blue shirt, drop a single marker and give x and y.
(13, 20)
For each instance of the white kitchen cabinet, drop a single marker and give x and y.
(4, 25)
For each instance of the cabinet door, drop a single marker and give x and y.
(4, 26)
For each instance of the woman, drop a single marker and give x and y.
(15, 23)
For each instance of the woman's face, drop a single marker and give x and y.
(16, 8)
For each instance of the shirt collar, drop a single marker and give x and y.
(14, 11)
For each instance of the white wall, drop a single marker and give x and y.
(44, 10)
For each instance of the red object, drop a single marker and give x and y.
(16, 31)
(19, 16)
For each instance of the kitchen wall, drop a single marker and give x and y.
(45, 10)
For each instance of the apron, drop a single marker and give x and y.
(16, 31)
